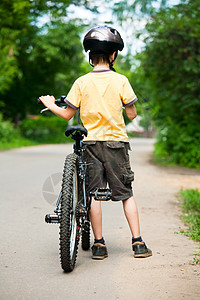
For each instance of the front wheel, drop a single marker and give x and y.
(69, 229)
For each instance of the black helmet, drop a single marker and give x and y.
(103, 39)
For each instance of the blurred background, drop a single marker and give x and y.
(41, 53)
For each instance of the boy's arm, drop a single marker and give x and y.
(49, 102)
(131, 111)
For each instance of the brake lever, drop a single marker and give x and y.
(45, 109)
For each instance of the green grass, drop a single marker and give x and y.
(22, 142)
(17, 143)
(190, 206)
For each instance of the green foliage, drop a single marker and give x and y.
(37, 60)
(177, 145)
(190, 203)
(194, 226)
(50, 62)
(56, 57)
(126, 10)
(17, 142)
(13, 23)
(10, 136)
(196, 259)
(171, 64)
(7, 131)
(44, 129)
(129, 66)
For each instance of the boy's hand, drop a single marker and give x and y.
(48, 101)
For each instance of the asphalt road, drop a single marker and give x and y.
(30, 268)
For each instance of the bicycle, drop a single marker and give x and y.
(73, 204)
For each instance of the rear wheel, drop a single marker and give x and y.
(69, 229)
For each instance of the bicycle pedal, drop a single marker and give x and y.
(53, 219)
(101, 194)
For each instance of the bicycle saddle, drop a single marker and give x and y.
(70, 129)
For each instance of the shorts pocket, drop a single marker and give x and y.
(115, 145)
(128, 178)
(128, 174)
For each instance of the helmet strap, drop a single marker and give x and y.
(90, 60)
(111, 65)
(112, 62)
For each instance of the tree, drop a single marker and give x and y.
(50, 67)
(138, 8)
(129, 66)
(35, 60)
(171, 62)
(14, 22)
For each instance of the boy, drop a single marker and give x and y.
(101, 95)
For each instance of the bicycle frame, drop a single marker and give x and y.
(82, 166)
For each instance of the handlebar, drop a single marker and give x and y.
(57, 101)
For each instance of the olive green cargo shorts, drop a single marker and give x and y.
(108, 162)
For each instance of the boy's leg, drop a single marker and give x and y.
(95, 214)
(131, 213)
(99, 250)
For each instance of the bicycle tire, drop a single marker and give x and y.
(69, 231)
(85, 236)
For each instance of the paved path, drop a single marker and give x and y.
(30, 266)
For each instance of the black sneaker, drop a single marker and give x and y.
(99, 251)
(141, 250)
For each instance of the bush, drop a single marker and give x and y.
(7, 131)
(44, 129)
(178, 146)
(170, 62)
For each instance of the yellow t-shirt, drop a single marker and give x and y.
(101, 96)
